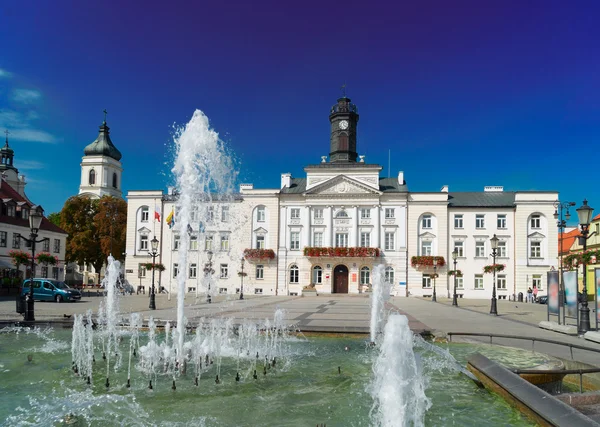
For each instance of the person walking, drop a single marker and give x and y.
(535, 292)
(529, 294)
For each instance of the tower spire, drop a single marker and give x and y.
(6, 132)
(105, 113)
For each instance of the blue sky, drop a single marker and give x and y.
(466, 93)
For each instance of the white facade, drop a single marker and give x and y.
(100, 176)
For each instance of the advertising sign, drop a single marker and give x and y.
(570, 281)
(553, 306)
(597, 271)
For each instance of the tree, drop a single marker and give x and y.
(54, 218)
(111, 223)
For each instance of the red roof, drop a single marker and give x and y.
(567, 241)
(7, 192)
(596, 217)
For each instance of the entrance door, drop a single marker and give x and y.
(340, 280)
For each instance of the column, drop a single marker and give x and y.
(355, 227)
(307, 233)
(329, 229)
(377, 227)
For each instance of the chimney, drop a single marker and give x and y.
(444, 189)
(401, 177)
(286, 180)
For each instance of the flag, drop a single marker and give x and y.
(170, 220)
(156, 213)
(201, 227)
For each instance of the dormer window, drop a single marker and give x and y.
(25, 213)
(10, 210)
(92, 177)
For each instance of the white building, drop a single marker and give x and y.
(330, 228)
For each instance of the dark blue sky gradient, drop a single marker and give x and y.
(464, 93)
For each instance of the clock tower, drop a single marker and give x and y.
(344, 118)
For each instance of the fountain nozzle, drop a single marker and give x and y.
(237, 376)
(128, 383)
(107, 383)
(103, 356)
(339, 370)
(196, 381)
(150, 385)
(89, 380)
(255, 376)
(173, 387)
(217, 380)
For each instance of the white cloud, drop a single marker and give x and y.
(32, 135)
(26, 96)
(5, 74)
(30, 165)
(9, 119)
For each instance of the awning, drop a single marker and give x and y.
(4, 263)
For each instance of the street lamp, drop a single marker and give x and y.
(35, 220)
(584, 213)
(561, 223)
(153, 254)
(242, 274)
(454, 257)
(434, 298)
(494, 243)
(208, 271)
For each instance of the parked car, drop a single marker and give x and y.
(50, 290)
(543, 299)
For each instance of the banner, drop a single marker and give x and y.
(597, 271)
(553, 306)
(570, 282)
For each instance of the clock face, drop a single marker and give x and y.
(344, 124)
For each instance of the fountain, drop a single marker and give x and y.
(380, 294)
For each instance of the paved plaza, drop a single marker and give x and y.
(340, 314)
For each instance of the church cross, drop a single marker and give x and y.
(105, 113)
(6, 132)
(344, 90)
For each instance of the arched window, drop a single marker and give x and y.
(389, 275)
(317, 276)
(365, 276)
(342, 214)
(115, 180)
(294, 274)
(92, 177)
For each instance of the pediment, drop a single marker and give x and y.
(260, 231)
(144, 230)
(536, 235)
(341, 185)
(427, 236)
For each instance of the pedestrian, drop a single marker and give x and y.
(535, 292)
(529, 294)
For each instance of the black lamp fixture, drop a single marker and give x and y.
(561, 218)
(494, 244)
(434, 298)
(584, 213)
(208, 271)
(454, 257)
(153, 254)
(35, 222)
(242, 274)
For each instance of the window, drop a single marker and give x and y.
(459, 283)
(55, 273)
(56, 246)
(501, 221)
(535, 221)
(318, 239)
(3, 238)
(194, 215)
(92, 177)
(143, 242)
(260, 271)
(341, 240)
(260, 242)
(141, 271)
(44, 271)
(208, 242)
(16, 241)
(176, 242)
(389, 241)
(501, 249)
(10, 210)
(145, 213)
(479, 281)
(537, 281)
(426, 221)
(318, 213)
(193, 242)
(225, 214)
(426, 281)
(365, 213)
(25, 213)
(222, 290)
(46, 245)
(426, 247)
(342, 214)
(175, 270)
(295, 240)
(479, 221)
(193, 271)
(460, 248)
(365, 239)
(294, 274)
(458, 221)
(260, 214)
(295, 213)
(480, 249)
(389, 275)
(317, 277)
(114, 180)
(389, 213)
(258, 291)
(224, 242)
(501, 281)
(211, 214)
(224, 271)
(535, 250)
(365, 276)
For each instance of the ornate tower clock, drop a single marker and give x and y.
(344, 118)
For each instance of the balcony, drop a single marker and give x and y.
(354, 252)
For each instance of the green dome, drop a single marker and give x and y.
(103, 146)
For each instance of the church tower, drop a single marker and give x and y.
(344, 119)
(8, 171)
(101, 167)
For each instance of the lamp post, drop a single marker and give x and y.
(494, 307)
(242, 274)
(35, 220)
(561, 223)
(434, 298)
(153, 254)
(208, 271)
(454, 257)
(584, 213)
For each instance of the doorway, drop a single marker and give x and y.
(340, 279)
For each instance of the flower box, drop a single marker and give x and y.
(427, 261)
(352, 252)
(20, 257)
(155, 266)
(458, 273)
(46, 258)
(252, 254)
(493, 267)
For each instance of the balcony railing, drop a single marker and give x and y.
(356, 252)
